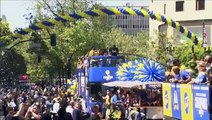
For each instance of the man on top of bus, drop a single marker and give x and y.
(208, 61)
(179, 72)
(180, 76)
(176, 62)
(114, 51)
(202, 75)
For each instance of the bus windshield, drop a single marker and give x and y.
(95, 89)
(105, 61)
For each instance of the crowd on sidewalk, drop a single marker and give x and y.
(41, 103)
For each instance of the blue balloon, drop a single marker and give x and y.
(144, 70)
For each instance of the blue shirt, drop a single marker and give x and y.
(201, 78)
(114, 99)
(184, 74)
(177, 77)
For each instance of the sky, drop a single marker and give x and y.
(15, 9)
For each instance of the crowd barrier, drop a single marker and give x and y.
(186, 101)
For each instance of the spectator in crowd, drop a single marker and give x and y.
(99, 108)
(70, 107)
(83, 103)
(56, 107)
(63, 115)
(77, 113)
(2, 117)
(33, 113)
(95, 113)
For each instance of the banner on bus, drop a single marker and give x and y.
(102, 74)
(167, 106)
(176, 103)
(201, 102)
(188, 102)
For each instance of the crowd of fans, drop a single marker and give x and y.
(41, 103)
(180, 74)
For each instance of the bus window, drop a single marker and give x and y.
(95, 88)
(106, 62)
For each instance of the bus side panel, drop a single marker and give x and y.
(81, 83)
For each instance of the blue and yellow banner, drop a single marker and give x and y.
(201, 102)
(167, 104)
(102, 74)
(186, 101)
(176, 102)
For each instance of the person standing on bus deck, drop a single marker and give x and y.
(114, 51)
(202, 75)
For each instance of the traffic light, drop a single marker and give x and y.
(53, 39)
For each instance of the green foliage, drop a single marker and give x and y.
(5, 32)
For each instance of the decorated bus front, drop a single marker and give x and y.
(101, 69)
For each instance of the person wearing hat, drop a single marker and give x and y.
(202, 74)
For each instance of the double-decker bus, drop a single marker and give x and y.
(101, 69)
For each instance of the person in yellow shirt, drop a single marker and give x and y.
(91, 52)
(112, 113)
(107, 103)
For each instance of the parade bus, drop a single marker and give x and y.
(101, 69)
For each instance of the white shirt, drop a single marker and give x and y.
(56, 107)
(12, 104)
(83, 105)
(69, 109)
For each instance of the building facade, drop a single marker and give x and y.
(131, 25)
(189, 13)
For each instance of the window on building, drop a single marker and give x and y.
(200, 4)
(179, 6)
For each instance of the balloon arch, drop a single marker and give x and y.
(104, 12)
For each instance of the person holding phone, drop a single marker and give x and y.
(33, 113)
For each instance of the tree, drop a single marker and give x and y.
(77, 38)
(12, 64)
